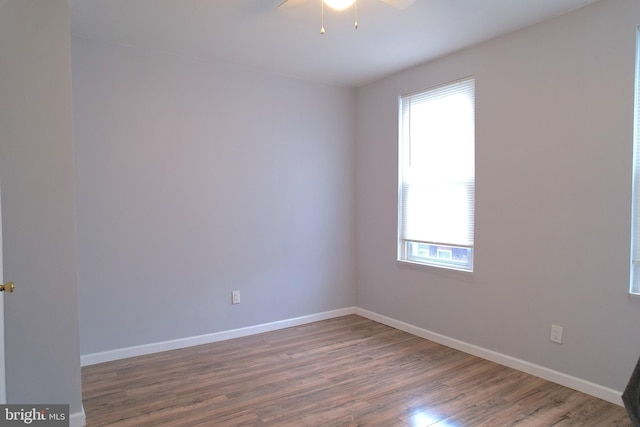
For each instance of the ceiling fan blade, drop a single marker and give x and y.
(399, 4)
(288, 3)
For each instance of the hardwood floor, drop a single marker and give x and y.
(348, 371)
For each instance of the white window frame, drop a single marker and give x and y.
(450, 243)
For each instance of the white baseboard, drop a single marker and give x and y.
(140, 350)
(572, 382)
(78, 419)
(601, 392)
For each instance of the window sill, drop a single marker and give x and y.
(436, 266)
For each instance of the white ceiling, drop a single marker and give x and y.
(287, 41)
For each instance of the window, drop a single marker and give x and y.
(437, 176)
(635, 221)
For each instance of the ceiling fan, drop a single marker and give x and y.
(344, 4)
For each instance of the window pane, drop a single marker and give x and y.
(442, 255)
(634, 287)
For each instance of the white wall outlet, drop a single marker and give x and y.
(556, 334)
(235, 297)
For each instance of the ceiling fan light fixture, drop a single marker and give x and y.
(339, 4)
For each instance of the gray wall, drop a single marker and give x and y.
(554, 142)
(195, 179)
(38, 215)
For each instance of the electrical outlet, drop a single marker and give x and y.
(235, 297)
(556, 334)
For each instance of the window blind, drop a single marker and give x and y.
(437, 167)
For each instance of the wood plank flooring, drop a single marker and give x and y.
(348, 371)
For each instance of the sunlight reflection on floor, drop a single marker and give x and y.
(426, 418)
